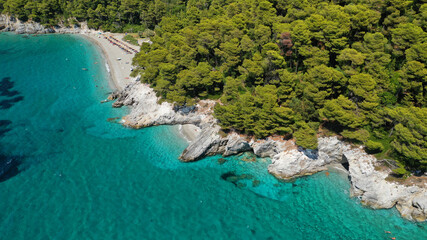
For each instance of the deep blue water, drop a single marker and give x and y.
(83, 177)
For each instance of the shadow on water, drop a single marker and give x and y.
(6, 86)
(8, 103)
(5, 51)
(5, 126)
(9, 167)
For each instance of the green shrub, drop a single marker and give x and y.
(148, 33)
(374, 147)
(305, 136)
(130, 39)
(360, 135)
(401, 171)
(132, 28)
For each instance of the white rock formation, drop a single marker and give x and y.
(294, 162)
(375, 191)
(145, 110)
(12, 24)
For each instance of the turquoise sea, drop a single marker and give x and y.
(81, 176)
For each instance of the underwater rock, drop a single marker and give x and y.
(221, 161)
(256, 183)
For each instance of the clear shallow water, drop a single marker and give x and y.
(83, 177)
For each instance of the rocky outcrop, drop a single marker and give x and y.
(331, 149)
(12, 24)
(289, 161)
(146, 111)
(419, 204)
(207, 143)
(375, 191)
(294, 162)
(235, 145)
(265, 148)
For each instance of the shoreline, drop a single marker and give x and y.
(118, 62)
(118, 70)
(111, 78)
(367, 183)
(189, 132)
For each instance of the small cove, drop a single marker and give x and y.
(83, 177)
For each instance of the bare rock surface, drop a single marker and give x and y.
(146, 111)
(265, 148)
(375, 191)
(236, 144)
(207, 143)
(12, 24)
(294, 162)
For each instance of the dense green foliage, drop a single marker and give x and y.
(289, 67)
(295, 68)
(130, 39)
(111, 15)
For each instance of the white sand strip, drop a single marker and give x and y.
(119, 62)
(189, 131)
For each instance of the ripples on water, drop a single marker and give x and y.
(79, 176)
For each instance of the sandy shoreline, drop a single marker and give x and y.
(189, 131)
(119, 70)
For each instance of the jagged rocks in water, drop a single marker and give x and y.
(375, 191)
(221, 161)
(146, 111)
(294, 163)
(235, 178)
(5, 165)
(265, 148)
(287, 161)
(207, 143)
(236, 144)
(256, 183)
(114, 95)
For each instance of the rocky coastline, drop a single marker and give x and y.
(288, 161)
(12, 24)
